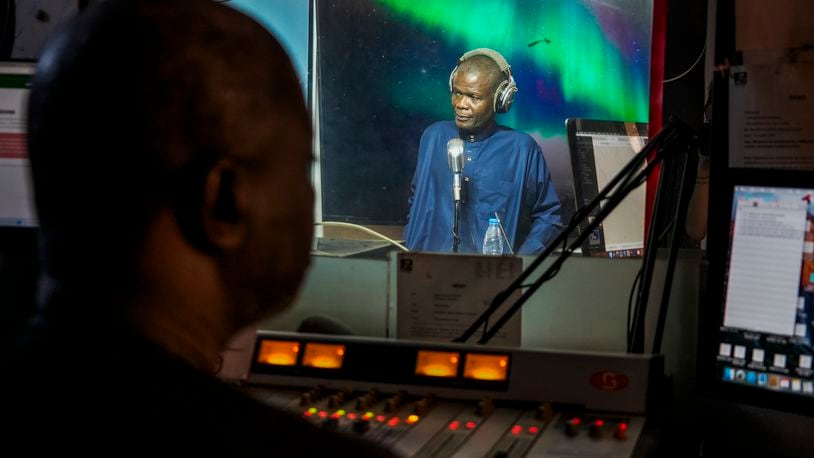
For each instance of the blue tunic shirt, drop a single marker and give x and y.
(504, 172)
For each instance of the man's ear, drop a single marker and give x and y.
(224, 206)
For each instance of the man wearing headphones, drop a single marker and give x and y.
(504, 170)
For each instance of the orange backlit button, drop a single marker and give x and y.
(437, 363)
(412, 419)
(486, 367)
(323, 356)
(278, 352)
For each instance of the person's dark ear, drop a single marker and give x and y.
(223, 217)
(225, 208)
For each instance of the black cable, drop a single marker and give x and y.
(629, 323)
(670, 131)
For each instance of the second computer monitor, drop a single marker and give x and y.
(599, 149)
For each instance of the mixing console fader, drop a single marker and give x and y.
(454, 400)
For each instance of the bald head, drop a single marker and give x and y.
(484, 66)
(131, 105)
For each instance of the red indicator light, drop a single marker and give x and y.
(454, 425)
(393, 421)
(575, 421)
(471, 425)
(380, 418)
(335, 416)
(534, 429)
(599, 423)
(621, 431)
(322, 414)
(517, 429)
(308, 413)
(352, 416)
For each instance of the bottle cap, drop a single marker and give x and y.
(493, 221)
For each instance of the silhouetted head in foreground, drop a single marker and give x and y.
(170, 149)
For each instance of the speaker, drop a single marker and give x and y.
(504, 94)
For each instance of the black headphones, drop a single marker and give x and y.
(504, 94)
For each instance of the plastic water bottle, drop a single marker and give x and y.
(493, 241)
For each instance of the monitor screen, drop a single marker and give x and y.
(599, 149)
(16, 204)
(762, 290)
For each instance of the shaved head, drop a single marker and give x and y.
(129, 108)
(483, 65)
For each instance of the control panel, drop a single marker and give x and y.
(458, 400)
(422, 425)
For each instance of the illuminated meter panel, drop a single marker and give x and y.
(278, 353)
(323, 355)
(486, 367)
(437, 364)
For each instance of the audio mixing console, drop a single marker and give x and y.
(458, 400)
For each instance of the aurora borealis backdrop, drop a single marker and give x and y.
(383, 71)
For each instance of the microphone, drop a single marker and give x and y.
(455, 158)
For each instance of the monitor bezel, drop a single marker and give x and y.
(711, 304)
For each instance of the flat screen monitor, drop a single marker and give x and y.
(760, 299)
(598, 150)
(16, 203)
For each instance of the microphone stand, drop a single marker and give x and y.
(456, 240)
(631, 176)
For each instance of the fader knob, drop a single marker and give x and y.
(363, 402)
(330, 423)
(485, 407)
(572, 426)
(421, 407)
(621, 431)
(391, 404)
(595, 430)
(544, 412)
(360, 426)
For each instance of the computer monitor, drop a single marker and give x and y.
(16, 200)
(757, 313)
(598, 150)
